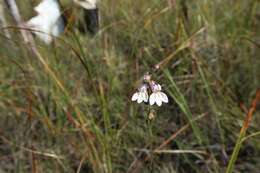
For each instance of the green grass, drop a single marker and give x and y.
(69, 109)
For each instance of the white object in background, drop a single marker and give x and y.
(48, 22)
(87, 4)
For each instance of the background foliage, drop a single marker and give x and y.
(74, 113)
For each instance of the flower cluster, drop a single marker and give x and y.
(150, 86)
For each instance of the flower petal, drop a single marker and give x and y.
(142, 95)
(159, 87)
(140, 98)
(158, 99)
(135, 96)
(152, 99)
(164, 97)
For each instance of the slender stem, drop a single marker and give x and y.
(242, 133)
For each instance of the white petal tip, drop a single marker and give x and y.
(134, 97)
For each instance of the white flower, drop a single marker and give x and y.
(157, 96)
(141, 95)
(48, 21)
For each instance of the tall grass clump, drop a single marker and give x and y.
(68, 108)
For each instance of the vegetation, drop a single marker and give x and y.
(69, 109)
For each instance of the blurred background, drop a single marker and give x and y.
(69, 108)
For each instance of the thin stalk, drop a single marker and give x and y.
(242, 133)
(176, 94)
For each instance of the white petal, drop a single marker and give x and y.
(159, 87)
(145, 97)
(158, 99)
(135, 96)
(140, 98)
(164, 97)
(142, 95)
(152, 99)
